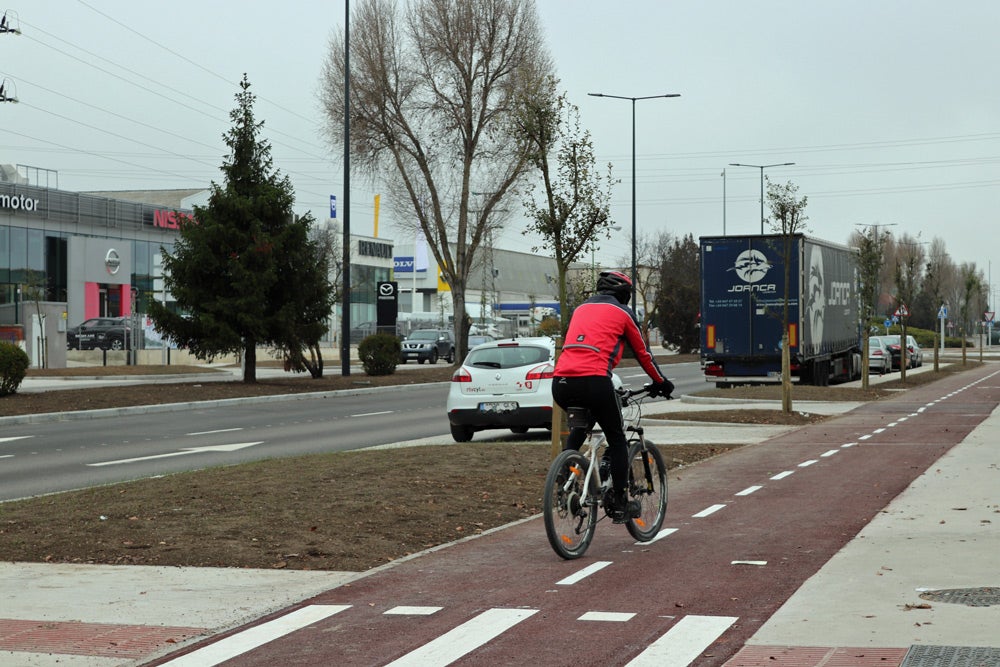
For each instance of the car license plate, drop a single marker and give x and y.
(498, 406)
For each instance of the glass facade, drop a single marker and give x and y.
(364, 285)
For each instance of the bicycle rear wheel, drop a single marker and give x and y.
(570, 513)
(647, 483)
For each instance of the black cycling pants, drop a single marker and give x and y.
(597, 394)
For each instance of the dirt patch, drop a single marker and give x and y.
(345, 511)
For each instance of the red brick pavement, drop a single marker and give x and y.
(91, 639)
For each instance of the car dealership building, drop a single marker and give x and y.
(66, 257)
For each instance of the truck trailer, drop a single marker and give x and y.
(742, 302)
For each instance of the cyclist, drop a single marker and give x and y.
(599, 330)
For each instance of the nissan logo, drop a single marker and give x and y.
(112, 261)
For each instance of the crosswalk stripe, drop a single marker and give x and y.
(584, 573)
(664, 532)
(249, 639)
(472, 634)
(403, 610)
(683, 642)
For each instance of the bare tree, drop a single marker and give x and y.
(909, 273)
(788, 220)
(650, 250)
(35, 290)
(435, 85)
(870, 247)
(575, 197)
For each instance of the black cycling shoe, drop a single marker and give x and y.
(620, 508)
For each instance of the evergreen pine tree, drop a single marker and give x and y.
(244, 272)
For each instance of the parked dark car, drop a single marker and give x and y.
(100, 333)
(914, 355)
(428, 345)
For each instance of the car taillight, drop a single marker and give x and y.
(713, 369)
(543, 372)
(461, 375)
(876, 353)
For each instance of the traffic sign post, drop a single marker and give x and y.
(942, 315)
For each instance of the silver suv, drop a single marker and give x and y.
(428, 345)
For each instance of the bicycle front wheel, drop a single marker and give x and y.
(647, 483)
(570, 510)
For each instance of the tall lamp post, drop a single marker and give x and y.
(762, 167)
(633, 99)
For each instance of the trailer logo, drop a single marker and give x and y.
(751, 266)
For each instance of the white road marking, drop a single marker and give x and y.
(683, 642)
(829, 452)
(613, 616)
(750, 489)
(403, 610)
(783, 475)
(849, 444)
(584, 573)
(806, 464)
(879, 430)
(218, 430)
(251, 638)
(190, 450)
(749, 562)
(707, 511)
(6, 456)
(373, 414)
(865, 437)
(16, 437)
(472, 634)
(660, 535)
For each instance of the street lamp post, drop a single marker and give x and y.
(762, 167)
(633, 99)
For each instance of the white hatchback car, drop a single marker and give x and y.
(503, 384)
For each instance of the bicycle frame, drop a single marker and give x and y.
(575, 487)
(631, 418)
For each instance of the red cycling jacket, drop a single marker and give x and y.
(598, 332)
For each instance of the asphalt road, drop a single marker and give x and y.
(62, 455)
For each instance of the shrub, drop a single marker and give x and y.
(379, 354)
(14, 364)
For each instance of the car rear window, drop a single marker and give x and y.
(508, 357)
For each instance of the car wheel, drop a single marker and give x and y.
(461, 433)
(434, 356)
(451, 356)
(115, 344)
(520, 430)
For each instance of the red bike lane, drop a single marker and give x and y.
(743, 531)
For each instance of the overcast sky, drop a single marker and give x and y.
(890, 110)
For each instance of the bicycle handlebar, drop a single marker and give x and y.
(632, 393)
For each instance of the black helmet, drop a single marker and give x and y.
(617, 284)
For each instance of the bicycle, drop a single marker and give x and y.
(576, 485)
